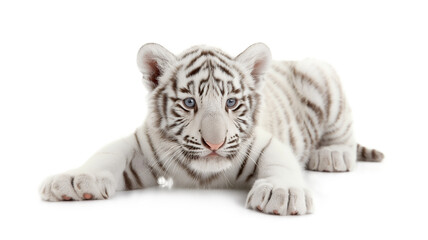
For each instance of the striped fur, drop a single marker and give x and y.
(287, 115)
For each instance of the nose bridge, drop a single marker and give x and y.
(213, 125)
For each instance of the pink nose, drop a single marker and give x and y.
(214, 146)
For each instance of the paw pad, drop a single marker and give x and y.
(87, 196)
(66, 198)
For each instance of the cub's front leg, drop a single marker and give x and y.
(117, 166)
(279, 188)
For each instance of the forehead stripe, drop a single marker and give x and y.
(193, 72)
(189, 53)
(205, 53)
(225, 70)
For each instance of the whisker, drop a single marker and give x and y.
(229, 184)
(170, 161)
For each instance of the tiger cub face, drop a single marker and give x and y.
(203, 101)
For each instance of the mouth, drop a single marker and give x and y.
(211, 163)
(213, 154)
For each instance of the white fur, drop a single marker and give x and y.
(277, 141)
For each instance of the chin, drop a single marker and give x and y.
(211, 164)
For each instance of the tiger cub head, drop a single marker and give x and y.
(204, 101)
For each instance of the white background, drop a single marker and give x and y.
(69, 84)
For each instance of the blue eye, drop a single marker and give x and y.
(189, 102)
(231, 102)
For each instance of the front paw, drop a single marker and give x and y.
(279, 200)
(65, 187)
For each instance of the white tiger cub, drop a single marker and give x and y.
(215, 121)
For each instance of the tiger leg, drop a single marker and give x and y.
(279, 187)
(336, 152)
(336, 149)
(107, 171)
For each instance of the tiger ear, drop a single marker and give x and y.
(256, 59)
(153, 60)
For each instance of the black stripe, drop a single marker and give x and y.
(155, 105)
(166, 137)
(244, 163)
(364, 152)
(302, 131)
(138, 143)
(165, 105)
(332, 131)
(255, 110)
(332, 134)
(208, 90)
(220, 85)
(137, 178)
(191, 141)
(243, 121)
(155, 154)
(203, 53)
(342, 136)
(176, 114)
(127, 180)
(292, 139)
(193, 72)
(176, 123)
(191, 148)
(191, 87)
(309, 80)
(184, 90)
(221, 60)
(314, 127)
(328, 91)
(231, 88)
(315, 108)
(233, 141)
(105, 194)
(189, 53)
(242, 84)
(224, 54)
(202, 84)
(233, 147)
(225, 70)
(192, 62)
(174, 80)
(250, 102)
(341, 109)
(195, 109)
(174, 86)
(180, 131)
(243, 113)
(184, 109)
(309, 133)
